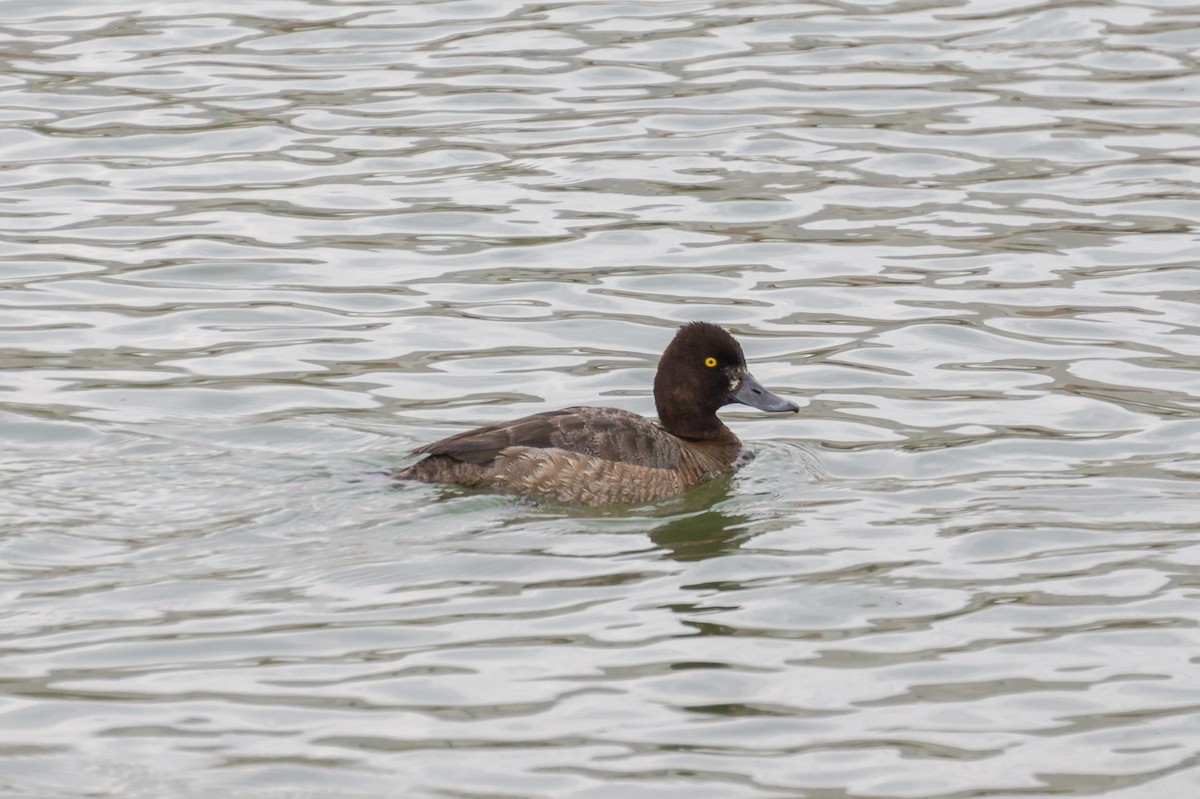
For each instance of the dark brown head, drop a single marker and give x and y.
(702, 370)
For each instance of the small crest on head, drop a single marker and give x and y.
(709, 344)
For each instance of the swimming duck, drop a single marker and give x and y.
(608, 456)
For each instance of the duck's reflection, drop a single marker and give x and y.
(704, 534)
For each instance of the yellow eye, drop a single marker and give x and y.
(710, 361)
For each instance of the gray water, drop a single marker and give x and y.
(252, 252)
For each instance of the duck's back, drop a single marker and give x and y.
(588, 455)
(607, 433)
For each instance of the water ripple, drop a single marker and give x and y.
(252, 255)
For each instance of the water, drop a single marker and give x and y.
(253, 252)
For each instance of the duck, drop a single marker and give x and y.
(608, 456)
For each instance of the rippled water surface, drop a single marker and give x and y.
(253, 252)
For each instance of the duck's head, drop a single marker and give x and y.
(702, 370)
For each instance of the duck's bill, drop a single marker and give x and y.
(750, 392)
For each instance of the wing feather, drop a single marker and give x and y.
(605, 433)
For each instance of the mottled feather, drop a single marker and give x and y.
(608, 433)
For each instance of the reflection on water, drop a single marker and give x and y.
(707, 534)
(253, 254)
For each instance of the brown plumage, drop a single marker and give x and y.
(607, 456)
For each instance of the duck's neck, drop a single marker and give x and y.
(696, 427)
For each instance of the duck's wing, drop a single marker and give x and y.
(606, 433)
(483, 444)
